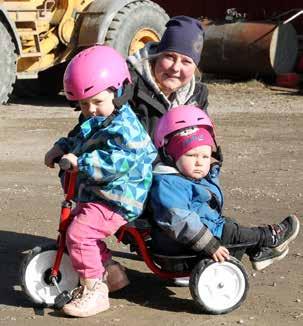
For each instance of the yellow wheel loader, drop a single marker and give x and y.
(38, 37)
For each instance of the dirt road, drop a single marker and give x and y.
(261, 134)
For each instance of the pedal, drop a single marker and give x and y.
(62, 299)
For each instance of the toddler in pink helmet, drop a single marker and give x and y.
(187, 199)
(113, 156)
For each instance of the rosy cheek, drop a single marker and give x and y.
(84, 111)
(187, 75)
(188, 71)
(165, 64)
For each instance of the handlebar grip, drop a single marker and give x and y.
(57, 159)
(65, 164)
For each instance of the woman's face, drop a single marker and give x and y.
(172, 71)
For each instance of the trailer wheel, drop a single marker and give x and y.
(218, 288)
(135, 25)
(8, 66)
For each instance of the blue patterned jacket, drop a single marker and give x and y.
(114, 162)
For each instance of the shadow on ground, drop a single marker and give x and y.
(12, 250)
(145, 289)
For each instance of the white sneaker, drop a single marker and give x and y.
(91, 299)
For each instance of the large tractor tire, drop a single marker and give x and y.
(143, 20)
(8, 66)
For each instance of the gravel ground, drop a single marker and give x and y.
(260, 130)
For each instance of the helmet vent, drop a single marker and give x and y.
(181, 121)
(88, 89)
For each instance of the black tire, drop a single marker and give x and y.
(133, 19)
(8, 66)
(35, 271)
(215, 279)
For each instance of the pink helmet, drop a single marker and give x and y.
(179, 118)
(93, 70)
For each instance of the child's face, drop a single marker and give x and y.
(98, 105)
(195, 163)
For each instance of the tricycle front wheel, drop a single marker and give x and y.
(35, 275)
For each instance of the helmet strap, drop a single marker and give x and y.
(217, 155)
(123, 95)
(120, 99)
(109, 119)
(165, 158)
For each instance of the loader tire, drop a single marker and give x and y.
(8, 63)
(136, 24)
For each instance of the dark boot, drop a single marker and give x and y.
(278, 238)
(284, 232)
(265, 257)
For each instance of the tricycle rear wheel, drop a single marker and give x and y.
(219, 288)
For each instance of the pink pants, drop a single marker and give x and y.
(92, 223)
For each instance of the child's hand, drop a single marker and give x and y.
(72, 159)
(221, 254)
(51, 155)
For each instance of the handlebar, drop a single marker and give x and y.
(65, 164)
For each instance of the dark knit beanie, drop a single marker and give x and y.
(183, 35)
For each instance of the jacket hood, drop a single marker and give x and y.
(161, 168)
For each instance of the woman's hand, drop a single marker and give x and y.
(72, 159)
(51, 155)
(221, 254)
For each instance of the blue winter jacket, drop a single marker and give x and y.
(189, 211)
(114, 162)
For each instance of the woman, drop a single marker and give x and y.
(163, 77)
(163, 74)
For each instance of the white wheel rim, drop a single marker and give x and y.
(221, 286)
(37, 288)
